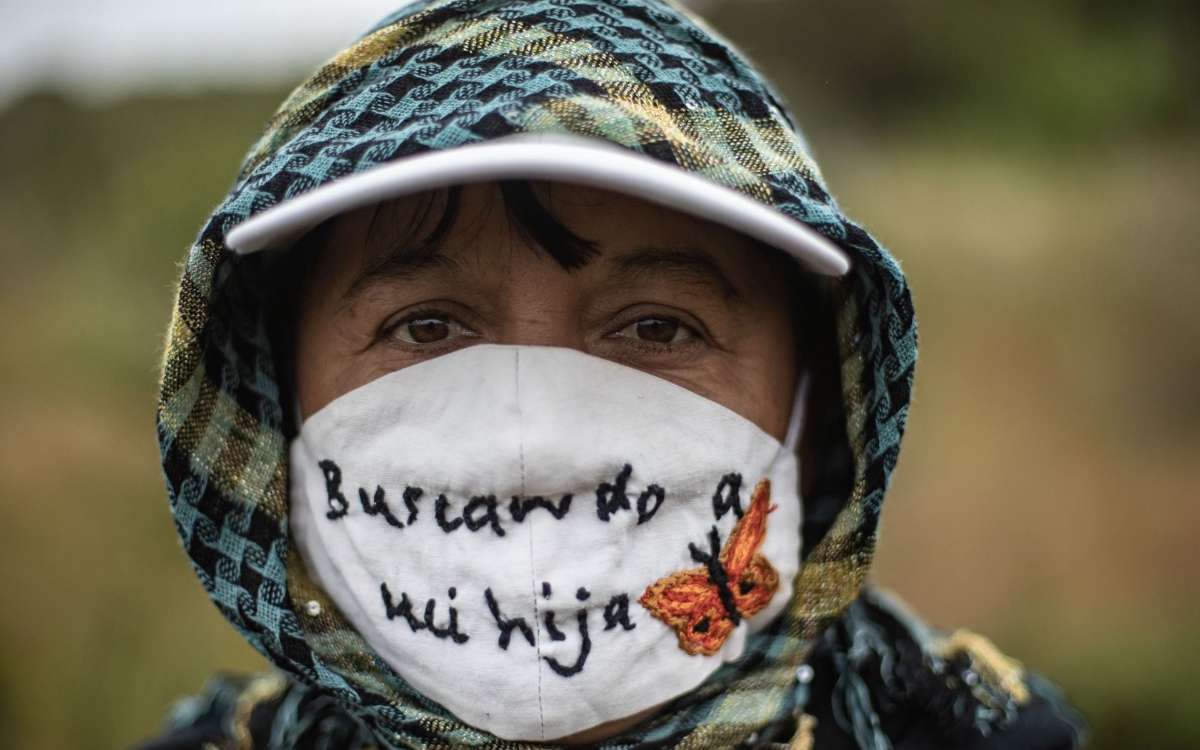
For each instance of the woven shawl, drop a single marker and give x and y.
(642, 74)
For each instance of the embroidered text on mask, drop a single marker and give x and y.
(610, 499)
(541, 540)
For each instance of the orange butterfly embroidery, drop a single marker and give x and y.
(705, 604)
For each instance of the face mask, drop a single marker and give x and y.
(541, 540)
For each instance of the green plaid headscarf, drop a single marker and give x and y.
(642, 74)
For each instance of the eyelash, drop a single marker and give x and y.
(387, 333)
(695, 334)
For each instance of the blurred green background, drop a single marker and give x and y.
(1035, 166)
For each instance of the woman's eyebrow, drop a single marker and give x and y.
(694, 265)
(399, 264)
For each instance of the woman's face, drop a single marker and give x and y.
(675, 296)
(672, 295)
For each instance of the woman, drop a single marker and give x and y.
(530, 388)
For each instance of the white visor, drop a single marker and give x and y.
(552, 157)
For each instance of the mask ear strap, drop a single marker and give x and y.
(796, 422)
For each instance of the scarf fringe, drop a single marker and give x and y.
(883, 659)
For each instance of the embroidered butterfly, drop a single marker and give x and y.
(705, 604)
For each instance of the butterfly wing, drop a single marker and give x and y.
(690, 604)
(753, 591)
(752, 578)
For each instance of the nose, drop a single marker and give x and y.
(543, 325)
(541, 304)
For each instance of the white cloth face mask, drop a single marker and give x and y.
(542, 540)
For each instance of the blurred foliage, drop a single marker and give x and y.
(104, 621)
(1060, 72)
(1036, 165)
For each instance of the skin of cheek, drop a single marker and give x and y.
(756, 379)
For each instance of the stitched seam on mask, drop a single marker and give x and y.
(537, 630)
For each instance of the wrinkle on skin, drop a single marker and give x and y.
(652, 262)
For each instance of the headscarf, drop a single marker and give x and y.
(642, 74)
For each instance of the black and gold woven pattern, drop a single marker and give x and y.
(639, 73)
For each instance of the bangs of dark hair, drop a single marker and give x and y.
(527, 213)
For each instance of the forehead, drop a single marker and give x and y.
(484, 229)
(613, 218)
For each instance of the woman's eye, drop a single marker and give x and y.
(430, 329)
(657, 331)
